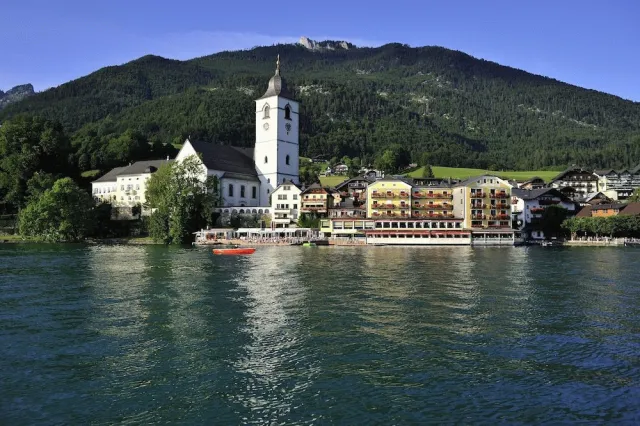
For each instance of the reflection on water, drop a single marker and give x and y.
(351, 335)
(272, 367)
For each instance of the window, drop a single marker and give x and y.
(295, 206)
(295, 196)
(266, 111)
(266, 160)
(268, 180)
(287, 160)
(287, 112)
(230, 190)
(242, 191)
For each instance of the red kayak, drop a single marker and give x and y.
(234, 251)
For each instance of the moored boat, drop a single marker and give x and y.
(234, 251)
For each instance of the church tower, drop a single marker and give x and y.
(276, 153)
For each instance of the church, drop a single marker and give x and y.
(249, 175)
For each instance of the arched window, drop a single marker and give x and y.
(230, 190)
(266, 111)
(287, 112)
(287, 160)
(266, 160)
(242, 191)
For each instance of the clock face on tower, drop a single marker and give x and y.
(288, 127)
(265, 126)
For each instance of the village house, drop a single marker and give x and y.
(528, 207)
(317, 200)
(575, 183)
(620, 184)
(285, 205)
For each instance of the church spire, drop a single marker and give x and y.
(277, 85)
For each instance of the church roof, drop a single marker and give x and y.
(277, 85)
(226, 158)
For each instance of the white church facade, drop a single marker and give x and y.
(248, 176)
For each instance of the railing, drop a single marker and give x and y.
(544, 202)
(313, 209)
(499, 195)
(500, 207)
(478, 217)
(478, 206)
(537, 210)
(477, 195)
(433, 216)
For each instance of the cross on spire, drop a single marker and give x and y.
(278, 64)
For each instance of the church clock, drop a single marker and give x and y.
(288, 127)
(265, 126)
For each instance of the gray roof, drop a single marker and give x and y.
(110, 176)
(232, 175)
(532, 194)
(473, 178)
(226, 158)
(277, 85)
(139, 167)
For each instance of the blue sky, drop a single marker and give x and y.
(594, 44)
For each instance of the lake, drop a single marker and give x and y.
(346, 335)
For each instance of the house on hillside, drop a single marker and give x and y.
(355, 187)
(533, 183)
(575, 182)
(618, 184)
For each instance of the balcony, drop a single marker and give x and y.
(432, 207)
(478, 206)
(537, 210)
(499, 195)
(548, 202)
(499, 206)
(477, 194)
(314, 209)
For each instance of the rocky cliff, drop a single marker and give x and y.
(16, 94)
(325, 45)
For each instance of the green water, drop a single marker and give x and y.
(350, 335)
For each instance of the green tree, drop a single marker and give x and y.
(427, 172)
(62, 213)
(552, 220)
(182, 203)
(635, 197)
(27, 145)
(38, 184)
(308, 220)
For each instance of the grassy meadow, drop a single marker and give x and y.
(462, 173)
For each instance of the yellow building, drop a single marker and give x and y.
(389, 198)
(432, 202)
(484, 202)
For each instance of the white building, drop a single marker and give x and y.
(126, 186)
(285, 205)
(248, 176)
(528, 206)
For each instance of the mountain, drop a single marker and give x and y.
(442, 106)
(16, 94)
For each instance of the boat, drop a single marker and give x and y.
(234, 251)
(309, 244)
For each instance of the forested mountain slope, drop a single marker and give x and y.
(443, 106)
